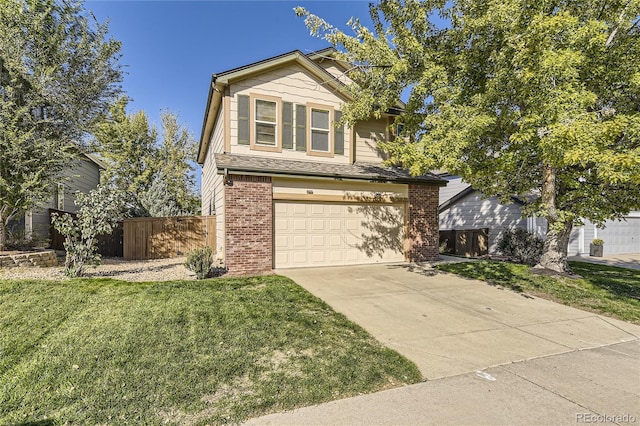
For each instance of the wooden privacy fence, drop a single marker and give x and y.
(465, 242)
(108, 245)
(163, 237)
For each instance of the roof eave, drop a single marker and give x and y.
(214, 101)
(381, 179)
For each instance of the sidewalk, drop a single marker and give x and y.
(489, 355)
(598, 385)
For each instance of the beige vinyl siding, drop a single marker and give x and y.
(291, 84)
(213, 184)
(367, 134)
(473, 212)
(335, 71)
(82, 176)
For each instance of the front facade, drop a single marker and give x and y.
(292, 188)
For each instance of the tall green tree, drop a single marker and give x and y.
(150, 168)
(126, 143)
(58, 73)
(532, 98)
(177, 170)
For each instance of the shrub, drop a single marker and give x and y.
(597, 242)
(17, 240)
(521, 246)
(200, 261)
(99, 211)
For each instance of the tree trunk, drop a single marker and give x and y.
(3, 234)
(554, 251)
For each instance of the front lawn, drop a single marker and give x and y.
(98, 351)
(606, 290)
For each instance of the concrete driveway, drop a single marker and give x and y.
(449, 325)
(491, 356)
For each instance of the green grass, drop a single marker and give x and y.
(214, 351)
(606, 290)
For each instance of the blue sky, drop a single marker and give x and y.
(171, 48)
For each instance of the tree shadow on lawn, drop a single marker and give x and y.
(512, 276)
(619, 282)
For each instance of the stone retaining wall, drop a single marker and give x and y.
(36, 259)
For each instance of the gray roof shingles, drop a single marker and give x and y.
(358, 171)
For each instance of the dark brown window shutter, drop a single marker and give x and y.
(243, 120)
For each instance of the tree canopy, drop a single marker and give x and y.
(58, 74)
(154, 170)
(535, 99)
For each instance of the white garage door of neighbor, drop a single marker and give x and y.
(621, 236)
(332, 234)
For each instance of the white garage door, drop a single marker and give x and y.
(331, 234)
(621, 236)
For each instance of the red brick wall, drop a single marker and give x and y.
(249, 225)
(423, 223)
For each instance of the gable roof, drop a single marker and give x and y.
(329, 54)
(269, 166)
(220, 81)
(447, 204)
(95, 160)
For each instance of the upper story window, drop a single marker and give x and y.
(266, 122)
(320, 130)
(260, 122)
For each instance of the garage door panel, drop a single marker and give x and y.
(318, 210)
(335, 241)
(318, 257)
(337, 234)
(299, 209)
(299, 241)
(336, 256)
(281, 224)
(621, 237)
(335, 225)
(352, 224)
(299, 258)
(299, 224)
(282, 257)
(281, 242)
(281, 209)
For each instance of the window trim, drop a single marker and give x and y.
(252, 123)
(330, 110)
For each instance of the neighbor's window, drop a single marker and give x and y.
(320, 130)
(265, 121)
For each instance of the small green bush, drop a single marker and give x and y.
(200, 261)
(597, 242)
(521, 246)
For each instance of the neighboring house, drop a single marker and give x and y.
(462, 207)
(83, 175)
(290, 188)
(619, 236)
